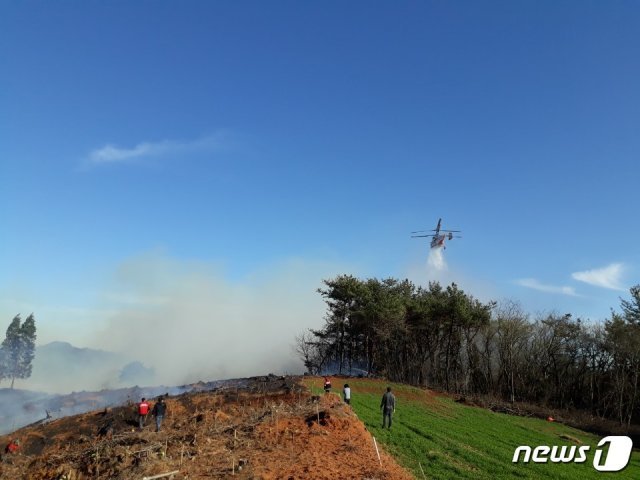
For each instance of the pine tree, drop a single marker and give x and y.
(27, 347)
(3, 368)
(18, 349)
(11, 350)
(631, 308)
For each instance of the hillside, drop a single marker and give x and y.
(274, 427)
(266, 428)
(23, 407)
(446, 439)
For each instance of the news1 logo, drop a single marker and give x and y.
(615, 460)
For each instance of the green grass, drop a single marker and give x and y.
(451, 440)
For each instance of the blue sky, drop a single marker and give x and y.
(279, 143)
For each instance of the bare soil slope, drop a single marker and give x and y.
(272, 429)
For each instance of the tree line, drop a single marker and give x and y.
(444, 338)
(18, 349)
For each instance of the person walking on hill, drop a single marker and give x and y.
(143, 411)
(346, 393)
(159, 409)
(327, 384)
(12, 447)
(388, 406)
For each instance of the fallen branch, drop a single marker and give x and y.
(161, 475)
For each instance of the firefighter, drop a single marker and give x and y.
(327, 384)
(12, 447)
(143, 411)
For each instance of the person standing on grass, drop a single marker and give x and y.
(346, 393)
(388, 406)
(159, 409)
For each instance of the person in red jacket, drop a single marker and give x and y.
(327, 384)
(12, 447)
(143, 411)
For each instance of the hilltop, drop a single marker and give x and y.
(275, 427)
(265, 428)
(19, 408)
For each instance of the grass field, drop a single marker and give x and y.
(450, 440)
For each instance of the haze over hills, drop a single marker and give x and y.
(59, 367)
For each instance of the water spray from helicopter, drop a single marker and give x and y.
(436, 261)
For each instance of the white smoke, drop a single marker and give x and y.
(186, 320)
(436, 261)
(190, 322)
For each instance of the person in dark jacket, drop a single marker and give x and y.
(388, 406)
(159, 410)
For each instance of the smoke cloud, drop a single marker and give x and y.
(189, 323)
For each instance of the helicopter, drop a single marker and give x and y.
(438, 238)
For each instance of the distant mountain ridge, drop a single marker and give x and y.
(60, 367)
(57, 349)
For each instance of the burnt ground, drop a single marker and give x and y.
(20, 408)
(263, 428)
